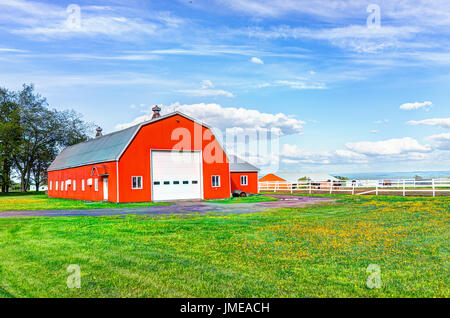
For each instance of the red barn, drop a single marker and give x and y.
(171, 157)
(244, 176)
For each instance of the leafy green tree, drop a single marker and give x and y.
(44, 133)
(10, 132)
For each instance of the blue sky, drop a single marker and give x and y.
(346, 94)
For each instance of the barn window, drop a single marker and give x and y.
(62, 185)
(74, 185)
(136, 182)
(50, 185)
(56, 184)
(185, 182)
(244, 180)
(176, 182)
(156, 183)
(166, 182)
(82, 185)
(96, 184)
(215, 181)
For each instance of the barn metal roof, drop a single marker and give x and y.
(101, 149)
(239, 165)
(109, 147)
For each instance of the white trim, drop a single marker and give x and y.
(96, 184)
(246, 180)
(51, 184)
(83, 185)
(142, 183)
(201, 171)
(117, 178)
(145, 123)
(218, 181)
(74, 182)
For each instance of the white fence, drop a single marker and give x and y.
(359, 187)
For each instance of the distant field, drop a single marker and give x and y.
(315, 251)
(31, 201)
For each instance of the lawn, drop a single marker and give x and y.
(40, 201)
(316, 251)
(249, 199)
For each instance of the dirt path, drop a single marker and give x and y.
(184, 207)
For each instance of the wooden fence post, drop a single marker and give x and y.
(434, 189)
(404, 191)
(353, 188)
(376, 190)
(310, 187)
(331, 187)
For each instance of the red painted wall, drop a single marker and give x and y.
(252, 181)
(78, 174)
(158, 135)
(135, 161)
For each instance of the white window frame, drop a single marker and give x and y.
(56, 183)
(82, 185)
(51, 184)
(96, 184)
(217, 183)
(74, 185)
(62, 185)
(137, 178)
(246, 180)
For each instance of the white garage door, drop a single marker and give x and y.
(176, 175)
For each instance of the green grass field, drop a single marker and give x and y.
(249, 199)
(40, 201)
(316, 251)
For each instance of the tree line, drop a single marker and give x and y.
(32, 134)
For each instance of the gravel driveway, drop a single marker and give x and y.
(180, 207)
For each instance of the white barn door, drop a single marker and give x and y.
(176, 175)
(105, 189)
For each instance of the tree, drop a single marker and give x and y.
(341, 178)
(10, 132)
(44, 133)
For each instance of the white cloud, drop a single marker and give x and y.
(9, 50)
(294, 154)
(374, 131)
(46, 21)
(132, 106)
(356, 38)
(230, 118)
(441, 122)
(442, 140)
(256, 60)
(206, 92)
(416, 105)
(207, 84)
(300, 84)
(388, 147)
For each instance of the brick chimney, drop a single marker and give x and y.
(99, 132)
(156, 109)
